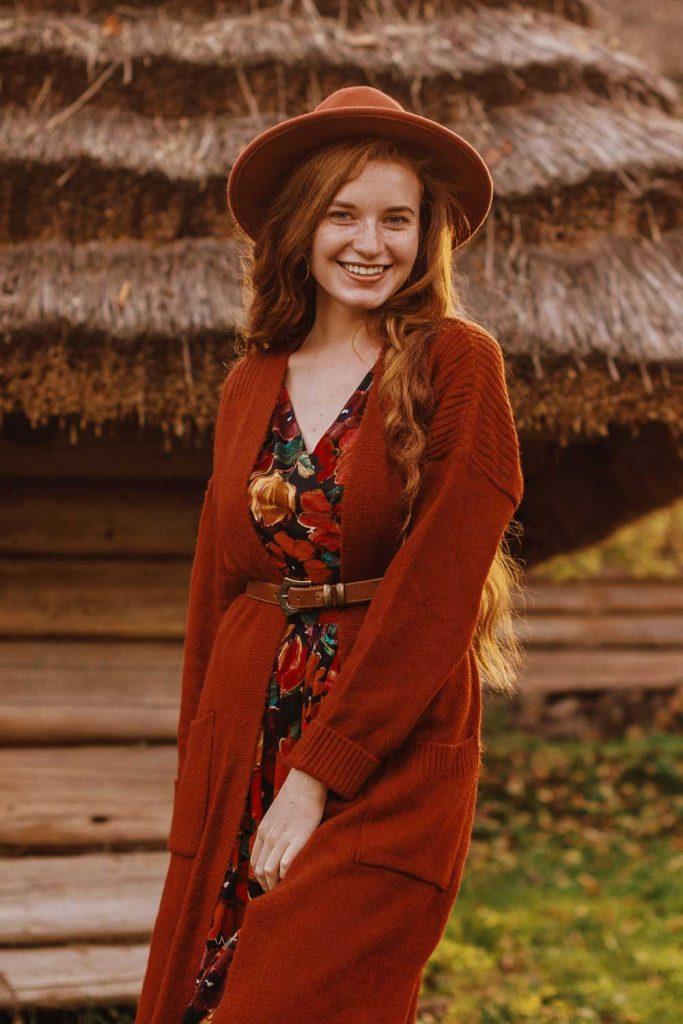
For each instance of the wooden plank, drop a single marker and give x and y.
(147, 599)
(62, 976)
(80, 898)
(575, 671)
(103, 517)
(79, 798)
(599, 597)
(60, 692)
(581, 630)
(94, 598)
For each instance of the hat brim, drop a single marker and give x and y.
(267, 158)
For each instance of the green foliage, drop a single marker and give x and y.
(650, 547)
(572, 897)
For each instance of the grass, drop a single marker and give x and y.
(572, 902)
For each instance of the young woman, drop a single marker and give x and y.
(351, 582)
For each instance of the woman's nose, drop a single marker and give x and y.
(366, 240)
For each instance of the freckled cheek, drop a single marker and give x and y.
(403, 247)
(328, 240)
(403, 256)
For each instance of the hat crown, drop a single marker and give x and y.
(359, 96)
(354, 112)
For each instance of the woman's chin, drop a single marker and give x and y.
(358, 298)
(362, 301)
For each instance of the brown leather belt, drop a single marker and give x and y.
(294, 595)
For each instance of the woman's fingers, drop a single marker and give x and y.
(267, 869)
(256, 847)
(288, 856)
(275, 860)
(272, 865)
(262, 859)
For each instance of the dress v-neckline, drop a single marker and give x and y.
(312, 452)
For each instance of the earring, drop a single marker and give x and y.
(308, 268)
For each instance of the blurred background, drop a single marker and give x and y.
(119, 288)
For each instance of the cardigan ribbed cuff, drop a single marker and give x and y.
(339, 763)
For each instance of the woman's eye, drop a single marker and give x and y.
(345, 213)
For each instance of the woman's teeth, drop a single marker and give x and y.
(359, 271)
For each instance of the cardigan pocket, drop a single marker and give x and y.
(192, 789)
(419, 815)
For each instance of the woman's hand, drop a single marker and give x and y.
(289, 822)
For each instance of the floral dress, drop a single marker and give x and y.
(294, 499)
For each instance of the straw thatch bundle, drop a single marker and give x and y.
(120, 282)
(159, 64)
(143, 320)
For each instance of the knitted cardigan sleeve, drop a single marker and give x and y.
(421, 619)
(212, 589)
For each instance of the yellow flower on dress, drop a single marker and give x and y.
(272, 498)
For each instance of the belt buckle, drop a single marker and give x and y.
(282, 596)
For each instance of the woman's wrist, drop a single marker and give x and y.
(309, 782)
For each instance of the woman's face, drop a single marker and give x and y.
(372, 224)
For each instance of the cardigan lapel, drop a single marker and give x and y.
(368, 529)
(255, 405)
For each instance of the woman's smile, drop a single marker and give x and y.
(364, 272)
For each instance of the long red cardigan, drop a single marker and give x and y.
(344, 937)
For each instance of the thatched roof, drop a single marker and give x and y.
(156, 324)
(531, 148)
(117, 132)
(487, 45)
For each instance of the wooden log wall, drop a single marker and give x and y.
(96, 547)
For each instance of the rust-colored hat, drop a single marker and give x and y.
(354, 111)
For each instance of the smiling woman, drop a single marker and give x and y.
(349, 581)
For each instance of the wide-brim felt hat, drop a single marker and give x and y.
(361, 111)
